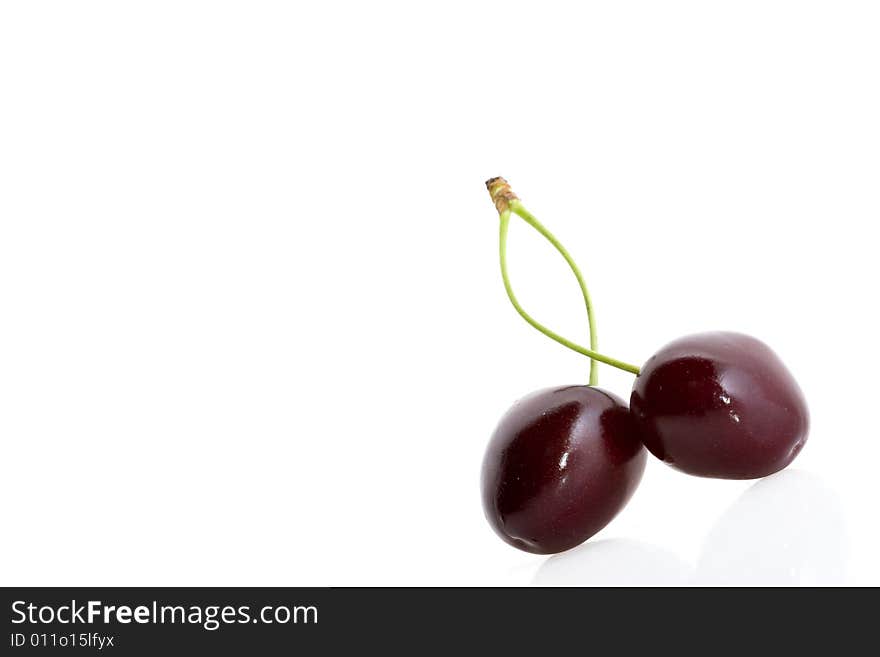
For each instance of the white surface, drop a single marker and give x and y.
(252, 329)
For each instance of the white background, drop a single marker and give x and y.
(252, 329)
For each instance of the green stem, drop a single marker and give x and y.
(505, 201)
(517, 207)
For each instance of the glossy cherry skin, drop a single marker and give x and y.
(720, 405)
(561, 464)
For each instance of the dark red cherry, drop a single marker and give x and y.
(561, 464)
(720, 405)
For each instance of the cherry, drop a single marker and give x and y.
(720, 405)
(561, 464)
(564, 461)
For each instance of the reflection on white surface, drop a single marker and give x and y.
(613, 562)
(785, 530)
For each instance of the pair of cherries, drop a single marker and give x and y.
(564, 461)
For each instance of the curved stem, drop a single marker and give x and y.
(517, 207)
(502, 250)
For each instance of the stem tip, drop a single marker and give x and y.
(502, 195)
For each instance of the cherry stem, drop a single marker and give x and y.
(517, 208)
(507, 202)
